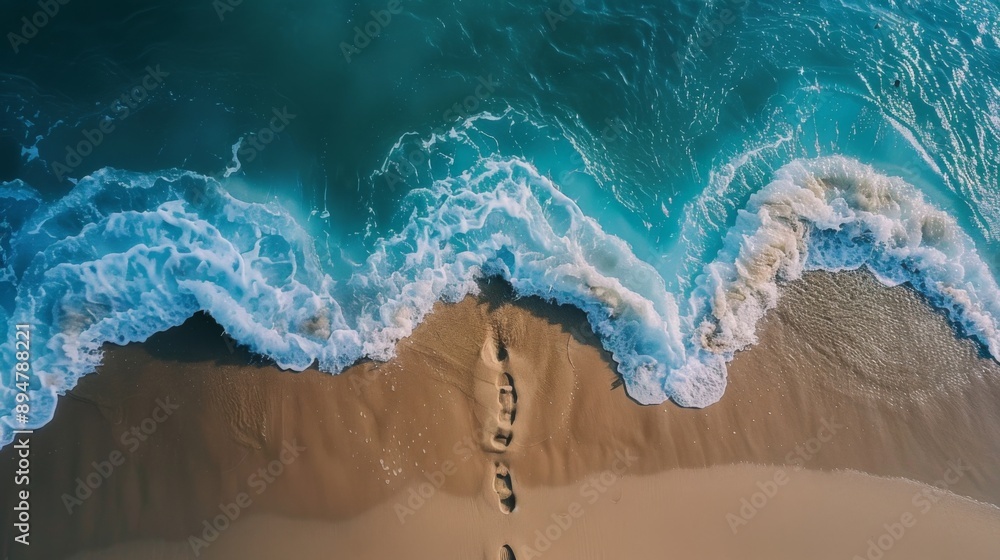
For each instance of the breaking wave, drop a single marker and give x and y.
(126, 255)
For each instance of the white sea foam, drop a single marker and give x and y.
(127, 255)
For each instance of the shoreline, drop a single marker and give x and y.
(518, 398)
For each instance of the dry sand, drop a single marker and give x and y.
(501, 423)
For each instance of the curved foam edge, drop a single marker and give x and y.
(126, 255)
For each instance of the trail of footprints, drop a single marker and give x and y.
(502, 483)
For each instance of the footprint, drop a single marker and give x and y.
(508, 410)
(508, 398)
(506, 553)
(501, 351)
(504, 488)
(502, 438)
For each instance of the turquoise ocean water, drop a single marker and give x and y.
(316, 175)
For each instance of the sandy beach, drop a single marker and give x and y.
(860, 426)
(519, 280)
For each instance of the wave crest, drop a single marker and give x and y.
(126, 255)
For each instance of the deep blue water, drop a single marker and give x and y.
(316, 175)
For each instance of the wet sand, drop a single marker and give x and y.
(499, 413)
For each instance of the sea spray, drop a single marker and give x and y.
(126, 255)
